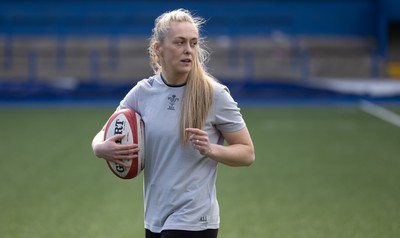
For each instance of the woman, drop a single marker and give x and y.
(188, 115)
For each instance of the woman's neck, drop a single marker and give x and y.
(174, 79)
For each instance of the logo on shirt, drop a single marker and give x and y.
(203, 219)
(172, 100)
(151, 81)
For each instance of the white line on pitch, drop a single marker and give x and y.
(380, 112)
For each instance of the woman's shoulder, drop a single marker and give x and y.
(142, 87)
(219, 88)
(222, 97)
(148, 82)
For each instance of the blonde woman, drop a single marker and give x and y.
(188, 116)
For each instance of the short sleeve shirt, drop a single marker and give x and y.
(179, 182)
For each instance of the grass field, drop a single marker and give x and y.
(319, 173)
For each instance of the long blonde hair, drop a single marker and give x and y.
(198, 95)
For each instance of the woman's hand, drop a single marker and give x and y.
(200, 141)
(238, 152)
(112, 151)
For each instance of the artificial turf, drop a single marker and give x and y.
(319, 173)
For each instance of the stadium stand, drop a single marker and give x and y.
(67, 44)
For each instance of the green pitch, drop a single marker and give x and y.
(319, 173)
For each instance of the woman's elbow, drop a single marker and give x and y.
(250, 159)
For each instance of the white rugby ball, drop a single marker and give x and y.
(129, 123)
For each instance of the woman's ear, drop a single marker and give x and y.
(157, 49)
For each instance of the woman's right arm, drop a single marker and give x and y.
(109, 149)
(112, 151)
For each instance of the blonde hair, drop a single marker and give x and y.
(198, 95)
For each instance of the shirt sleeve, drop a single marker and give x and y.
(131, 99)
(227, 113)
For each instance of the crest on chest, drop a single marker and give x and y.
(172, 100)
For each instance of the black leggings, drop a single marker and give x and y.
(210, 233)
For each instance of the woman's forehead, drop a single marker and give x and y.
(185, 30)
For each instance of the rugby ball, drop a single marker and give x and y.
(129, 123)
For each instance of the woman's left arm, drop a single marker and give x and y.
(238, 152)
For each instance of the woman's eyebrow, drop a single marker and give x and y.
(184, 38)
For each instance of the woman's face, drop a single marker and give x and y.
(179, 49)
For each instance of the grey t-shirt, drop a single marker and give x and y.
(179, 182)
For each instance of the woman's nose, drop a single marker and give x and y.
(188, 49)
